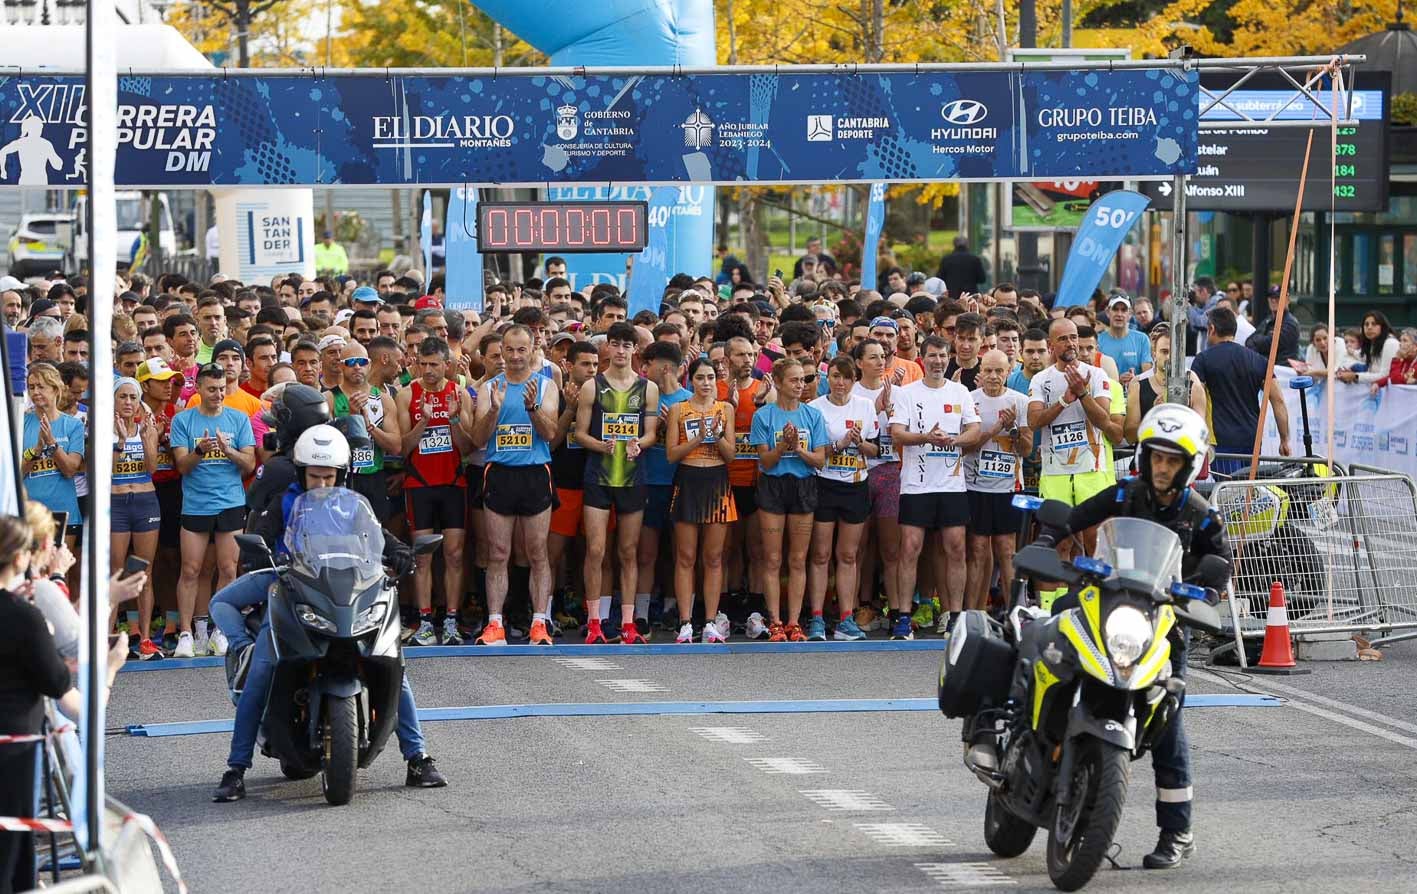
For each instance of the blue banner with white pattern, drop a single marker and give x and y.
(394, 130)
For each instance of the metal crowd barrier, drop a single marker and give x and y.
(1345, 548)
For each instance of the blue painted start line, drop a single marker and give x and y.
(623, 709)
(584, 651)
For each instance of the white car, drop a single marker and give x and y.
(38, 244)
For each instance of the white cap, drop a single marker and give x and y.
(332, 341)
(9, 283)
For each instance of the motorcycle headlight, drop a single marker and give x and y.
(370, 618)
(1128, 632)
(313, 619)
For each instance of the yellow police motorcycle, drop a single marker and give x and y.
(1056, 708)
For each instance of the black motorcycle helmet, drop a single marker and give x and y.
(298, 408)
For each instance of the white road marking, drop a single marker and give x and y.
(786, 766)
(632, 686)
(588, 664)
(904, 835)
(729, 735)
(965, 875)
(843, 800)
(1300, 700)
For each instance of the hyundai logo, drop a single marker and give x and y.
(964, 111)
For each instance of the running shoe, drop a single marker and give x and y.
(451, 635)
(924, 616)
(594, 635)
(795, 634)
(567, 621)
(201, 645)
(630, 636)
(686, 633)
(540, 636)
(756, 627)
(847, 630)
(492, 635)
(716, 633)
(725, 626)
(901, 629)
(777, 633)
(642, 625)
(816, 629)
(942, 627)
(185, 647)
(867, 618)
(425, 635)
(669, 613)
(422, 773)
(216, 643)
(406, 633)
(149, 651)
(233, 781)
(169, 642)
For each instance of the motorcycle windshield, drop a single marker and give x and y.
(334, 539)
(1142, 554)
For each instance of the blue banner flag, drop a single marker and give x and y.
(396, 129)
(1103, 229)
(656, 264)
(870, 247)
(464, 286)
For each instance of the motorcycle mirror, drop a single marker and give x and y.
(426, 544)
(1055, 514)
(253, 547)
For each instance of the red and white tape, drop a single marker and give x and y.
(15, 740)
(142, 821)
(149, 828)
(24, 824)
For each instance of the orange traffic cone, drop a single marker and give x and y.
(1278, 654)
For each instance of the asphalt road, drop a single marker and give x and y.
(1317, 794)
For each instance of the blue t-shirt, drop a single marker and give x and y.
(768, 423)
(1129, 352)
(1233, 376)
(1017, 380)
(658, 469)
(214, 484)
(514, 440)
(45, 482)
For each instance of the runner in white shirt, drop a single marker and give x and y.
(993, 474)
(934, 423)
(1071, 404)
(843, 498)
(883, 479)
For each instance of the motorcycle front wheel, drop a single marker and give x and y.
(1006, 834)
(1082, 829)
(342, 754)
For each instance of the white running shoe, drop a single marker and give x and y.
(216, 643)
(686, 633)
(713, 633)
(725, 626)
(756, 627)
(185, 647)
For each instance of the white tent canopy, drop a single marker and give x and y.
(141, 47)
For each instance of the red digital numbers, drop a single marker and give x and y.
(562, 226)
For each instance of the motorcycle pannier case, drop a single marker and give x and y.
(977, 667)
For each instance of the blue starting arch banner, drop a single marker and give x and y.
(393, 129)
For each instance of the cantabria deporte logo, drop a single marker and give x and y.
(819, 128)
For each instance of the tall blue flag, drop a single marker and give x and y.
(870, 246)
(653, 266)
(1103, 229)
(464, 284)
(425, 236)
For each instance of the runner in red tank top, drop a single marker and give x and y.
(433, 444)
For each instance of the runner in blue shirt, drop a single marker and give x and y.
(1128, 348)
(791, 440)
(663, 364)
(53, 445)
(213, 447)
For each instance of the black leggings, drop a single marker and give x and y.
(17, 779)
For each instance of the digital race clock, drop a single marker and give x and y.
(561, 227)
